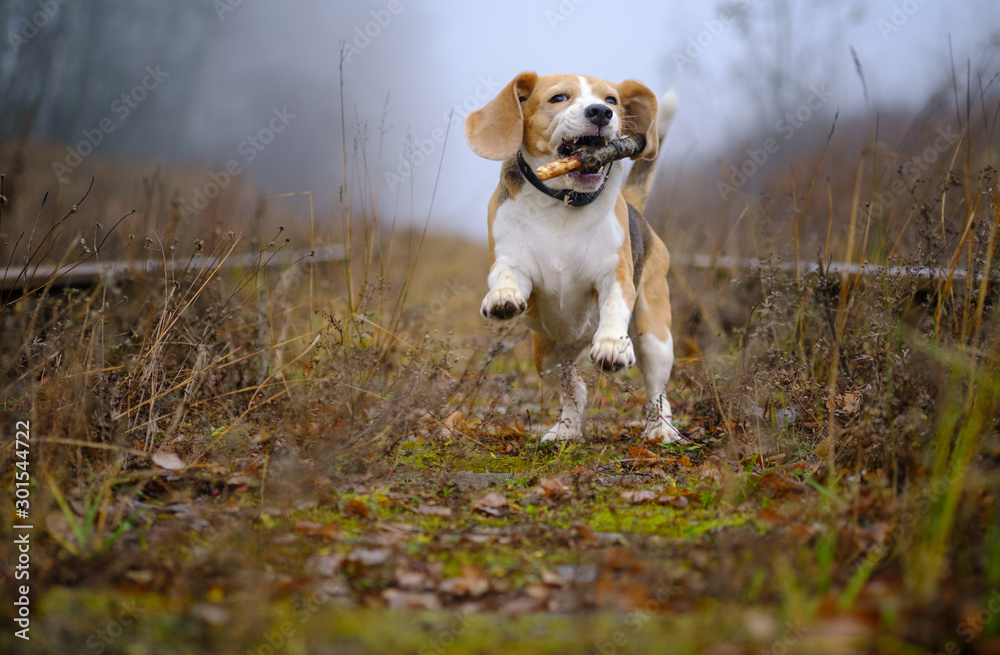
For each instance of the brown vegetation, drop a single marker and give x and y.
(241, 448)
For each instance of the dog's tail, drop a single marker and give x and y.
(640, 178)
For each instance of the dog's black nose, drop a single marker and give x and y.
(599, 115)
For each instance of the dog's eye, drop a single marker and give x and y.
(611, 100)
(559, 97)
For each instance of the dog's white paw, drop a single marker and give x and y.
(612, 353)
(661, 431)
(564, 430)
(503, 303)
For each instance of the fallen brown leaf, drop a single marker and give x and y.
(390, 534)
(367, 556)
(850, 401)
(776, 485)
(284, 539)
(412, 580)
(771, 518)
(621, 582)
(356, 507)
(432, 510)
(472, 582)
(169, 461)
(518, 606)
(490, 504)
(678, 502)
(642, 456)
(241, 479)
(324, 564)
(314, 529)
(552, 488)
(452, 419)
(399, 600)
(585, 533)
(552, 579)
(640, 496)
(715, 470)
(801, 531)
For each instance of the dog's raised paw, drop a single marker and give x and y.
(612, 353)
(503, 303)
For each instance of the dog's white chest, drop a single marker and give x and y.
(565, 252)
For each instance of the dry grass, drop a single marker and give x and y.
(227, 439)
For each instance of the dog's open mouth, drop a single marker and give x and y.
(568, 148)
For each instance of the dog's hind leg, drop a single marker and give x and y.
(656, 358)
(556, 361)
(654, 345)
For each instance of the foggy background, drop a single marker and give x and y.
(189, 82)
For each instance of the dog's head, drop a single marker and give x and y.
(546, 116)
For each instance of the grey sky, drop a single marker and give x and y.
(737, 70)
(433, 56)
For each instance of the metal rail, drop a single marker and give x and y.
(90, 274)
(926, 274)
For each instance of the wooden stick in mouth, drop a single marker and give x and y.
(593, 157)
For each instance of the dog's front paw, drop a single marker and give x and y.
(503, 303)
(612, 353)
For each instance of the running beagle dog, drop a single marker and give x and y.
(574, 256)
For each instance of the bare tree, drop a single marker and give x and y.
(789, 47)
(64, 65)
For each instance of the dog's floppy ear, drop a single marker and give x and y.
(639, 107)
(496, 130)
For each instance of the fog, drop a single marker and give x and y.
(276, 88)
